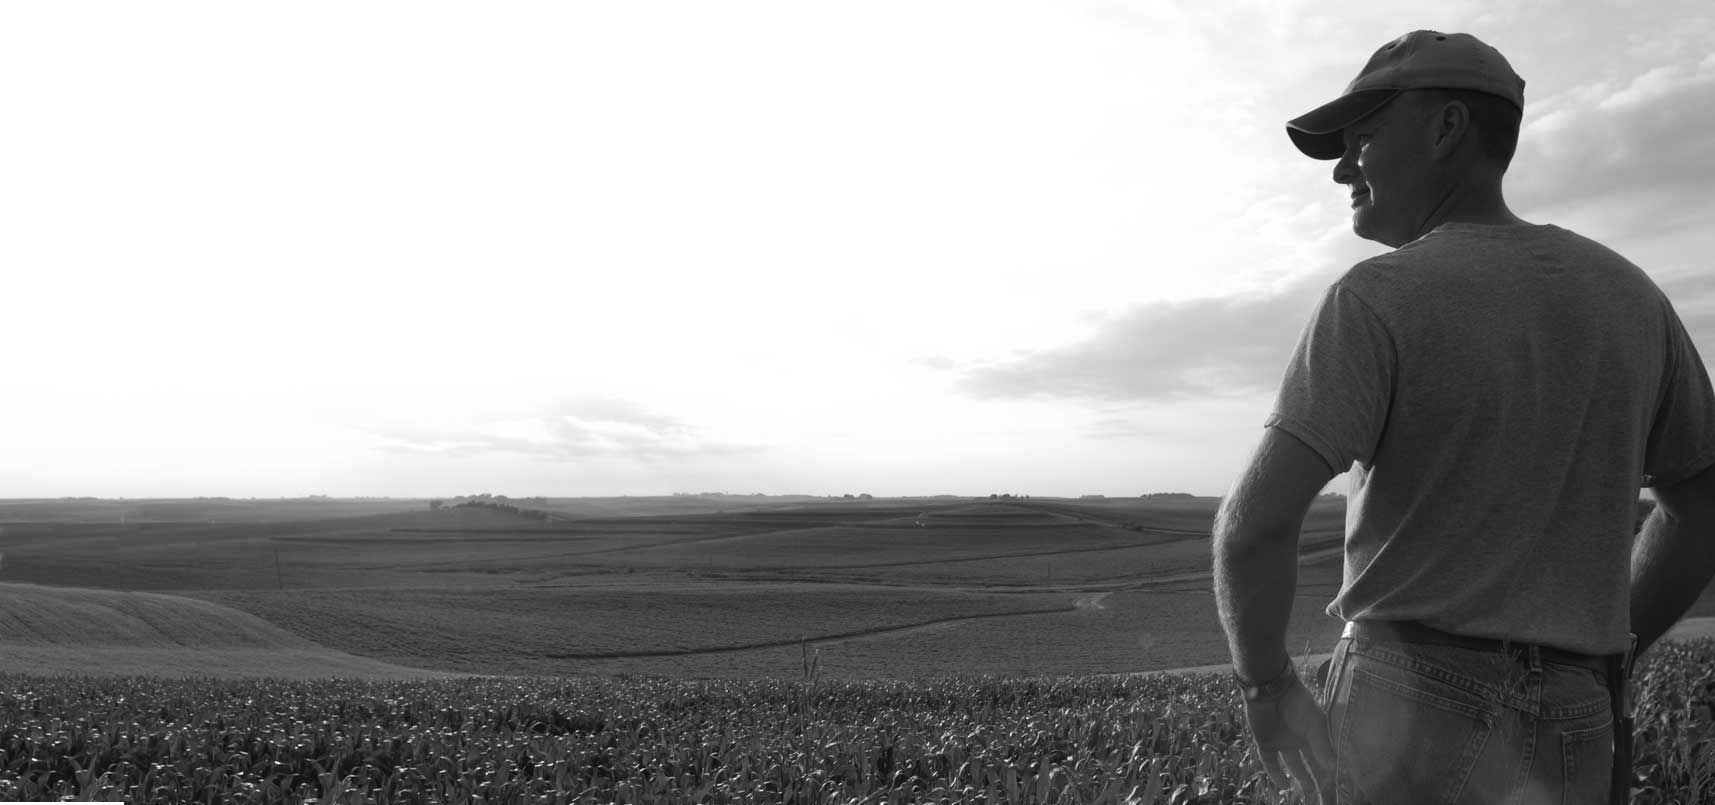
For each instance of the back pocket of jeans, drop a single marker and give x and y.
(1403, 733)
(1588, 764)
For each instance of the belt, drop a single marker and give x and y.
(1418, 634)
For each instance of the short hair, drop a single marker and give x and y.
(1495, 118)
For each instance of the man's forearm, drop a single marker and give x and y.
(1256, 577)
(1670, 568)
(1256, 550)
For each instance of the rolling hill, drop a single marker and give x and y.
(97, 632)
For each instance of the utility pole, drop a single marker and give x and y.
(279, 578)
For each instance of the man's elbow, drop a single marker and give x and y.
(1689, 505)
(1240, 532)
(1268, 504)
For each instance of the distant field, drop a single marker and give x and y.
(90, 510)
(913, 633)
(684, 586)
(565, 630)
(96, 632)
(961, 534)
(960, 543)
(1118, 633)
(681, 586)
(259, 510)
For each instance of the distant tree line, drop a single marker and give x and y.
(495, 502)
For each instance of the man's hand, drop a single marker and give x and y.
(1291, 735)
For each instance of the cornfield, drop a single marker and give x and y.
(1146, 739)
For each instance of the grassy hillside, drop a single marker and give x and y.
(563, 630)
(82, 631)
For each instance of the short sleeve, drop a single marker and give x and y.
(1682, 437)
(1339, 384)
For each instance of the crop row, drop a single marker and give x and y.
(1170, 739)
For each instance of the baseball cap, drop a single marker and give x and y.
(1418, 60)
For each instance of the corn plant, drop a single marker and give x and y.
(1135, 739)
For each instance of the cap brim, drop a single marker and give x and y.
(1317, 133)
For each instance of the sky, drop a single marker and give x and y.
(1048, 247)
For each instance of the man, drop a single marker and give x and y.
(1499, 390)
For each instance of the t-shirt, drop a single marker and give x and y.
(1503, 392)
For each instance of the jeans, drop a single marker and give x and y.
(1436, 724)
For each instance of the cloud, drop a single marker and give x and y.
(1693, 295)
(603, 408)
(1639, 144)
(1164, 351)
(1120, 427)
(936, 362)
(568, 428)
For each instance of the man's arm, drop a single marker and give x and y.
(1256, 550)
(1673, 556)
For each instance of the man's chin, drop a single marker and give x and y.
(1364, 228)
(1361, 228)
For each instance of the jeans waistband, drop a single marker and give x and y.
(1416, 633)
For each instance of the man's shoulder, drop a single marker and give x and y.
(1456, 260)
(1375, 279)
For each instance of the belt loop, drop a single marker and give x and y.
(1535, 655)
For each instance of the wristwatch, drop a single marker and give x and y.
(1262, 691)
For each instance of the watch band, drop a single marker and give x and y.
(1262, 691)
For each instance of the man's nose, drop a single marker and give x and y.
(1346, 168)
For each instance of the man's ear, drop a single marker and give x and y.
(1449, 125)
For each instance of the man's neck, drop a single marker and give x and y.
(1491, 211)
(1477, 203)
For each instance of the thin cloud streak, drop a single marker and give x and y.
(566, 429)
(1119, 427)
